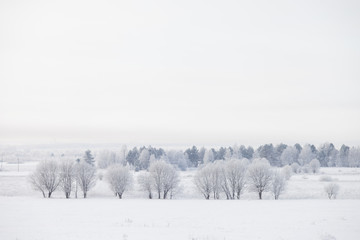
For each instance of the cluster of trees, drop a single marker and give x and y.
(231, 177)
(50, 175)
(161, 179)
(67, 175)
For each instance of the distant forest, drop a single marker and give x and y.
(277, 155)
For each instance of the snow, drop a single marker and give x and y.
(111, 218)
(303, 212)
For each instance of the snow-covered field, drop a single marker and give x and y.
(303, 212)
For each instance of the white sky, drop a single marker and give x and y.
(180, 72)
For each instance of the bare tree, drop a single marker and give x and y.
(146, 183)
(234, 177)
(216, 178)
(67, 176)
(86, 177)
(332, 189)
(208, 180)
(259, 176)
(45, 178)
(203, 180)
(278, 183)
(165, 177)
(119, 178)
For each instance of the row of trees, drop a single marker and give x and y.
(162, 178)
(67, 175)
(232, 177)
(280, 155)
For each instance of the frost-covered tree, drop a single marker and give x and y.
(236, 153)
(45, 178)
(228, 154)
(216, 179)
(165, 178)
(146, 184)
(289, 156)
(295, 167)
(88, 158)
(327, 155)
(247, 152)
(120, 179)
(332, 190)
(306, 155)
(343, 157)
(133, 158)
(208, 156)
(260, 174)
(234, 177)
(354, 157)
(203, 181)
(85, 177)
(122, 155)
(314, 165)
(278, 150)
(193, 156)
(67, 173)
(278, 183)
(144, 159)
(201, 155)
(287, 171)
(107, 158)
(177, 158)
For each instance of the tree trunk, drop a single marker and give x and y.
(120, 195)
(84, 194)
(260, 193)
(49, 195)
(43, 193)
(150, 195)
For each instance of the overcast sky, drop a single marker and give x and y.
(179, 72)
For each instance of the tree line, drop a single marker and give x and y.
(229, 177)
(277, 155)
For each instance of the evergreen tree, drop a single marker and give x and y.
(193, 155)
(88, 158)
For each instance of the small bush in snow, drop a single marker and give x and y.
(325, 179)
(332, 189)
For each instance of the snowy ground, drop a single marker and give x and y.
(303, 212)
(36, 218)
